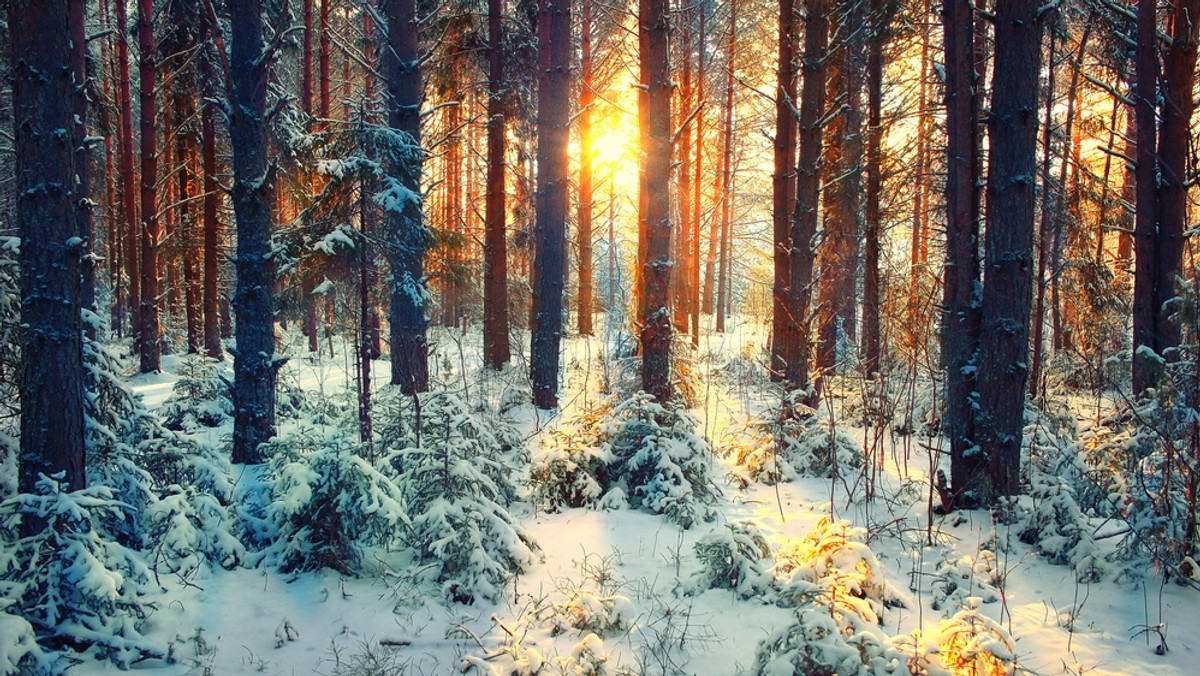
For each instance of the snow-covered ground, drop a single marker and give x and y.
(630, 577)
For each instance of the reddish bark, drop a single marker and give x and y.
(148, 71)
(655, 108)
(785, 344)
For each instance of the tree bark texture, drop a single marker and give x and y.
(550, 229)
(496, 348)
(147, 99)
(47, 195)
(960, 319)
(408, 239)
(1008, 277)
(808, 194)
(785, 340)
(254, 365)
(654, 26)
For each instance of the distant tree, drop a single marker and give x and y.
(47, 194)
(553, 133)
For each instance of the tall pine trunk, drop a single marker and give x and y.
(47, 197)
(724, 192)
(407, 237)
(254, 364)
(785, 339)
(1145, 93)
(960, 318)
(872, 363)
(808, 193)
(553, 129)
(131, 238)
(212, 236)
(1008, 284)
(496, 347)
(147, 69)
(655, 110)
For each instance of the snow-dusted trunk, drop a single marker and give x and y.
(407, 237)
(254, 365)
(960, 319)
(843, 196)
(784, 341)
(1004, 337)
(550, 242)
(808, 193)
(654, 19)
(83, 158)
(47, 196)
(147, 99)
(496, 348)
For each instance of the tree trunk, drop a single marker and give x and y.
(587, 98)
(553, 132)
(1044, 229)
(808, 193)
(47, 196)
(725, 179)
(254, 365)
(132, 238)
(655, 109)
(185, 107)
(83, 162)
(681, 230)
(1004, 338)
(872, 363)
(1145, 226)
(960, 319)
(496, 348)
(212, 236)
(407, 237)
(1177, 105)
(843, 213)
(147, 69)
(785, 345)
(693, 297)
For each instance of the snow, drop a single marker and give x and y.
(626, 588)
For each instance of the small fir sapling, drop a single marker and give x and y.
(793, 440)
(732, 558)
(458, 480)
(199, 399)
(76, 587)
(326, 504)
(658, 462)
(571, 468)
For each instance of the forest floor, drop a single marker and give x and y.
(640, 571)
